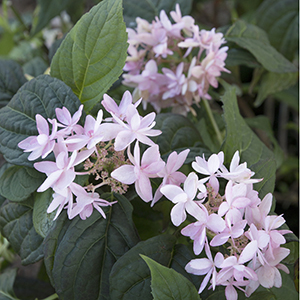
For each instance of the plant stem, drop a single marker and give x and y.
(19, 18)
(213, 121)
(52, 297)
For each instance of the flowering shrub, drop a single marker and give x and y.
(122, 200)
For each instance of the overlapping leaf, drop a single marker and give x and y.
(11, 79)
(41, 95)
(130, 276)
(92, 56)
(79, 254)
(167, 284)
(7, 279)
(16, 225)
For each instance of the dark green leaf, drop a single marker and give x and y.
(16, 225)
(11, 79)
(42, 221)
(255, 40)
(79, 254)
(238, 57)
(41, 95)
(294, 254)
(289, 96)
(274, 82)
(240, 137)
(280, 19)
(18, 182)
(130, 276)
(46, 10)
(178, 134)
(168, 284)
(35, 67)
(92, 56)
(6, 284)
(150, 9)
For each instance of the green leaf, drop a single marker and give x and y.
(289, 96)
(294, 254)
(16, 225)
(168, 284)
(274, 82)
(41, 95)
(46, 10)
(11, 79)
(92, 56)
(150, 9)
(240, 137)
(238, 56)
(18, 182)
(280, 19)
(178, 134)
(7, 280)
(35, 67)
(255, 40)
(79, 254)
(130, 276)
(42, 221)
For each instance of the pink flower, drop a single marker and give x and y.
(42, 144)
(86, 202)
(209, 168)
(69, 123)
(170, 172)
(137, 127)
(197, 231)
(202, 266)
(183, 199)
(140, 172)
(186, 22)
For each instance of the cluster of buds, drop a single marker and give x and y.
(173, 64)
(239, 220)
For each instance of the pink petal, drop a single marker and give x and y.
(51, 179)
(248, 252)
(143, 188)
(125, 174)
(231, 293)
(178, 214)
(123, 139)
(215, 223)
(171, 191)
(42, 125)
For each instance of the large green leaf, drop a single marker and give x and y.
(41, 95)
(16, 225)
(274, 82)
(280, 19)
(46, 10)
(256, 41)
(167, 284)
(11, 79)
(7, 279)
(240, 137)
(178, 133)
(18, 182)
(130, 276)
(92, 56)
(79, 254)
(149, 9)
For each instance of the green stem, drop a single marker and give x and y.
(19, 18)
(213, 121)
(52, 297)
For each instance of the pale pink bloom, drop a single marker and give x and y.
(170, 173)
(202, 266)
(60, 174)
(210, 168)
(197, 231)
(91, 135)
(173, 30)
(120, 111)
(42, 144)
(230, 231)
(175, 82)
(268, 274)
(186, 22)
(86, 202)
(236, 200)
(231, 284)
(183, 199)
(61, 199)
(211, 40)
(191, 43)
(143, 25)
(238, 172)
(134, 60)
(137, 127)
(252, 210)
(140, 172)
(68, 122)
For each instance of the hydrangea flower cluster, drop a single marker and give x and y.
(173, 64)
(239, 220)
